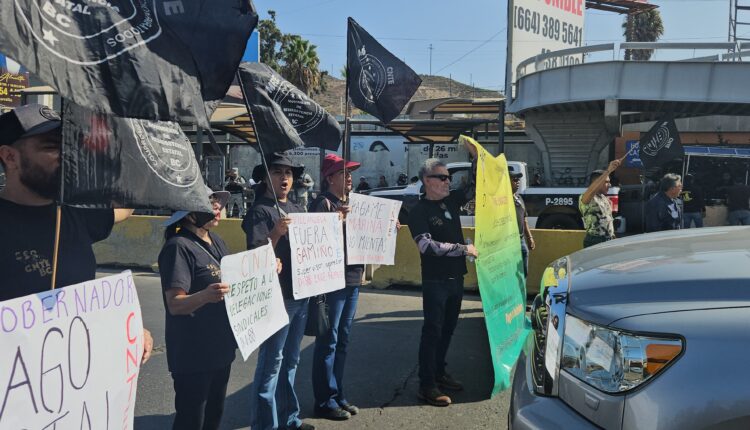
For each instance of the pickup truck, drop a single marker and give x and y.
(546, 207)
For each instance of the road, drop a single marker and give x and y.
(381, 376)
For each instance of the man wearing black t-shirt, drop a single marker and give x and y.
(435, 225)
(30, 140)
(274, 402)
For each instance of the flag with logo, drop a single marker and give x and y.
(285, 117)
(379, 83)
(166, 60)
(661, 144)
(124, 162)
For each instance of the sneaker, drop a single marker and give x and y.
(350, 408)
(447, 382)
(337, 414)
(303, 426)
(433, 396)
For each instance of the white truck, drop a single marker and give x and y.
(546, 207)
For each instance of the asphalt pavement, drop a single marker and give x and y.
(381, 373)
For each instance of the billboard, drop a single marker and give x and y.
(539, 26)
(13, 77)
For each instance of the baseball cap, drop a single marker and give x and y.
(222, 197)
(333, 163)
(514, 175)
(278, 159)
(27, 120)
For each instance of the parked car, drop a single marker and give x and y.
(646, 332)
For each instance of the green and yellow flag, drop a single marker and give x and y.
(499, 266)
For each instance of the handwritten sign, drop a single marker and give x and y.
(70, 357)
(317, 241)
(371, 230)
(254, 304)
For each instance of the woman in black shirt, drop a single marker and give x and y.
(200, 343)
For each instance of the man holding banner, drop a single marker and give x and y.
(435, 224)
(274, 402)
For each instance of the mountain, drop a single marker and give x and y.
(433, 87)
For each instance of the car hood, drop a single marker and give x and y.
(661, 272)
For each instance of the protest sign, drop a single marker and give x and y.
(371, 230)
(317, 242)
(499, 266)
(70, 357)
(254, 303)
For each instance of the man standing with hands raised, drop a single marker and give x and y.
(596, 208)
(435, 224)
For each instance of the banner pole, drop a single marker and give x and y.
(257, 141)
(347, 132)
(58, 216)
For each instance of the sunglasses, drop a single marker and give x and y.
(442, 178)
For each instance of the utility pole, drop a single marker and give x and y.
(430, 59)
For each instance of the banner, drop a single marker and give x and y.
(70, 357)
(499, 266)
(254, 303)
(371, 230)
(317, 242)
(285, 117)
(536, 27)
(130, 163)
(12, 79)
(661, 144)
(379, 83)
(167, 60)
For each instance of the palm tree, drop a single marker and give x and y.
(300, 64)
(643, 27)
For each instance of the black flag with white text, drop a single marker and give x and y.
(285, 117)
(661, 144)
(165, 60)
(379, 83)
(132, 163)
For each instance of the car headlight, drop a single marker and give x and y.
(611, 360)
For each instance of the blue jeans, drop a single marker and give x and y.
(441, 302)
(330, 349)
(274, 402)
(525, 257)
(692, 217)
(741, 217)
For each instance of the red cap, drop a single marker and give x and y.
(333, 163)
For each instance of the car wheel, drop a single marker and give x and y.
(559, 222)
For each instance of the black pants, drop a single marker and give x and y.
(199, 399)
(590, 240)
(441, 302)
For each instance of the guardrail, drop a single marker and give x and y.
(566, 57)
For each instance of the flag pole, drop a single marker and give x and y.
(347, 130)
(58, 216)
(257, 141)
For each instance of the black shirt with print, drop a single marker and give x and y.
(28, 240)
(441, 219)
(202, 341)
(258, 223)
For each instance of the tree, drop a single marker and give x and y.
(300, 65)
(271, 41)
(643, 27)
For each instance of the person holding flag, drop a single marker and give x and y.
(200, 343)
(596, 208)
(274, 401)
(331, 348)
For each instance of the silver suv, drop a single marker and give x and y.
(647, 332)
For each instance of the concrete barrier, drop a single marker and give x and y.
(137, 242)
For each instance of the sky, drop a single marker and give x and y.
(468, 37)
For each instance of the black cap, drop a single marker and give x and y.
(514, 175)
(26, 121)
(281, 159)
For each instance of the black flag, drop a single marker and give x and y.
(132, 163)
(285, 117)
(661, 144)
(379, 83)
(167, 60)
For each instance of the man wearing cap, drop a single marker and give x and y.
(527, 241)
(274, 401)
(30, 141)
(596, 208)
(435, 225)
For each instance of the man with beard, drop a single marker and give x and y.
(30, 141)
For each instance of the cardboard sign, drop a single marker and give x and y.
(70, 357)
(254, 304)
(317, 241)
(371, 230)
